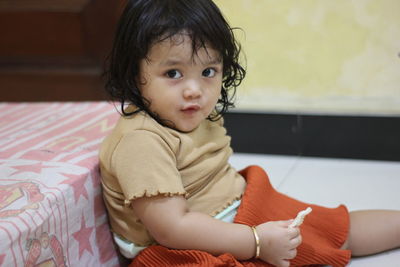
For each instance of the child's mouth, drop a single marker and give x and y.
(190, 109)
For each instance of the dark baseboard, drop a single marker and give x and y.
(357, 137)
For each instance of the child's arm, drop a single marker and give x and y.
(170, 222)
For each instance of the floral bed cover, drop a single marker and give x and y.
(51, 209)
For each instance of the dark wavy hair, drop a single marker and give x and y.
(146, 22)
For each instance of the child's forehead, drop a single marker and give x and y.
(180, 47)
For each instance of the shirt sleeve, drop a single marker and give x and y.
(145, 165)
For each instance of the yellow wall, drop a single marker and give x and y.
(319, 56)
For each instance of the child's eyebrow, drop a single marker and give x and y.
(174, 62)
(214, 61)
(171, 62)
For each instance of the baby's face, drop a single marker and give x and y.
(183, 87)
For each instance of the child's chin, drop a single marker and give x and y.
(187, 128)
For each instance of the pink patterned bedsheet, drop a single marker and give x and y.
(51, 209)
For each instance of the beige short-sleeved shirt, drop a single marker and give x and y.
(143, 158)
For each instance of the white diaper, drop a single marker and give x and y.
(130, 250)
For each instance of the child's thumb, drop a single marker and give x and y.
(287, 222)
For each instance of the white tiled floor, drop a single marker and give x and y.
(359, 184)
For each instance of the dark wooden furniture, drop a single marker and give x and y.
(54, 50)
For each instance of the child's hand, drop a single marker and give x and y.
(278, 242)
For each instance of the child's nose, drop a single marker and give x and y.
(192, 89)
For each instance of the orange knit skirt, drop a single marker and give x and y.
(324, 231)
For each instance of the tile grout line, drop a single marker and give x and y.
(289, 172)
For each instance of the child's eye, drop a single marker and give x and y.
(173, 74)
(209, 72)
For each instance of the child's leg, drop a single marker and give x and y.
(373, 231)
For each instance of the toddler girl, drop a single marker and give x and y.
(168, 187)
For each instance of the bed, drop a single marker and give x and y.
(51, 209)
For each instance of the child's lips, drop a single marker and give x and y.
(190, 109)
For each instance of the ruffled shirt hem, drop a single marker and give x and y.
(146, 193)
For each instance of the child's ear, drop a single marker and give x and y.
(140, 79)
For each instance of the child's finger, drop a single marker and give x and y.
(291, 254)
(286, 223)
(295, 242)
(293, 232)
(283, 263)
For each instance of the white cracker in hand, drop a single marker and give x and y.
(300, 217)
